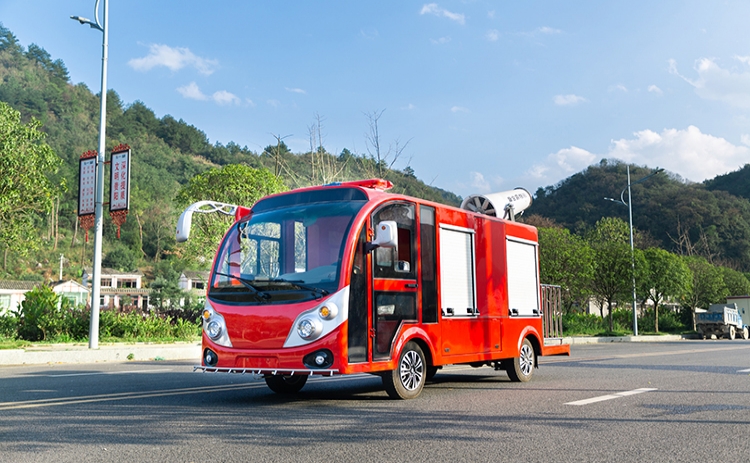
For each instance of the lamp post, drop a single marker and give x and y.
(98, 221)
(629, 204)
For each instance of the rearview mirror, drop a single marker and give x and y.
(386, 235)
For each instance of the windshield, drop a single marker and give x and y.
(292, 253)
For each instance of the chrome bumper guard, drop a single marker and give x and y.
(260, 372)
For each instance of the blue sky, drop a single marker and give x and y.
(481, 95)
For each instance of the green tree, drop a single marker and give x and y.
(231, 184)
(736, 282)
(667, 276)
(26, 161)
(707, 286)
(566, 260)
(612, 263)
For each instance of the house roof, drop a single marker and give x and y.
(19, 284)
(196, 275)
(111, 271)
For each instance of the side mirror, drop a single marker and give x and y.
(386, 235)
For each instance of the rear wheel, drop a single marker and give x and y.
(732, 333)
(286, 384)
(521, 368)
(407, 380)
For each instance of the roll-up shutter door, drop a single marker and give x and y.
(523, 281)
(457, 272)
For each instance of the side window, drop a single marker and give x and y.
(399, 262)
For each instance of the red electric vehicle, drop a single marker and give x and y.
(347, 278)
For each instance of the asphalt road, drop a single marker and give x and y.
(646, 402)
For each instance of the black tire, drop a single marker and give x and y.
(521, 368)
(407, 380)
(286, 384)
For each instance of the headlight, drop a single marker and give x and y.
(309, 329)
(214, 326)
(213, 329)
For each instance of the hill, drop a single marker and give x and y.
(167, 153)
(686, 218)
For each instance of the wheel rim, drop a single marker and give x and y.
(526, 360)
(411, 370)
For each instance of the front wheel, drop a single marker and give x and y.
(407, 380)
(286, 384)
(521, 368)
(745, 333)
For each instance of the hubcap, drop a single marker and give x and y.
(412, 370)
(526, 360)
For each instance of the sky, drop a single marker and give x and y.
(478, 96)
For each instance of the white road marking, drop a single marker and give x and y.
(744, 371)
(611, 396)
(107, 373)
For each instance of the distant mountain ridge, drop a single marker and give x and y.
(668, 212)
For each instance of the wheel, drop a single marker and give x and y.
(407, 380)
(521, 368)
(431, 372)
(745, 333)
(732, 332)
(286, 384)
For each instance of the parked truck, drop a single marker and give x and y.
(721, 320)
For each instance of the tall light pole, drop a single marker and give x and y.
(98, 220)
(632, 248)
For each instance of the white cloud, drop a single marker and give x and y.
(548, 30)
(172, 58)
(409, 107)
(693, 155)
(491, 14)
(440, 41)
(222, 97)
(492, 35)
(618, 87)
(459, 109)
(655, 89)
(192, 91)
(717, 83)
(295, 90)
(479, 184)
(434, 9)
(273, 103)
(745, 139)
(568, 100)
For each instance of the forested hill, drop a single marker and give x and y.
(711, 219)
(167, 153)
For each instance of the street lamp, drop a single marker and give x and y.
(98, 222)
(629, 204)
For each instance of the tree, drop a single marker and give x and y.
(707, 287)
(231, 184)
(25, 163)
(566, 260)
(612, 262)
(737, 284)
(667, 275)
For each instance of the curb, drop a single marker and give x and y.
(647, 338)
(62, 353)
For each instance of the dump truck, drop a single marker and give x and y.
(721, 320)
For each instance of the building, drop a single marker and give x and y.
(119, 289)
(13, 292)
(194, 283)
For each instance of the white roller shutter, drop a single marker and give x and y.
(523, 281)
(457, 271)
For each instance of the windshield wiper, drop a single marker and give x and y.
(299, 284)
(245, 282)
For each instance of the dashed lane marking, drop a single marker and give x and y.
(611, 396)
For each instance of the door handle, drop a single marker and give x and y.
(411, 285)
